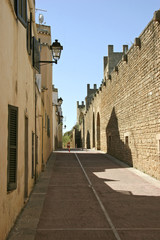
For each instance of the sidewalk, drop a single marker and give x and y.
(26, 224)
(63, 205)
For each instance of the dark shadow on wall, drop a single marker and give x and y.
(56, 142)
(115, 146)
(78, 140)
(88, 140)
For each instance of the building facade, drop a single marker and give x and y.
(44, 108)
(123, 117)
(57, 119)
(26, 110)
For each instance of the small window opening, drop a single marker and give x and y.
(126, 140)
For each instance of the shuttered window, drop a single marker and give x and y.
(29, 35)
(48, 126)
(21, 11)
(32, 154)
(12, 147)
(36, 53)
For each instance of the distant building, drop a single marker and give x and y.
(57, 119)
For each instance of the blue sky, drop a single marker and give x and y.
(85, 28)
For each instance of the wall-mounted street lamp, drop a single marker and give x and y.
(56, 49)
(60, 100)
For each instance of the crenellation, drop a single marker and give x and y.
(95, 86)
(125, 49)
(137, 42)
(156, 16)
(77, 104)
(80, 105)
(110, 50)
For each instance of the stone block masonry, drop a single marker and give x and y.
(123, 118)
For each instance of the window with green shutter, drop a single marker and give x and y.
(36, 54)
(21, 11)
(12, 147)
(32, 154)
(29, 35)
(48, 126)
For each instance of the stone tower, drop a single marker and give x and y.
(112, 60)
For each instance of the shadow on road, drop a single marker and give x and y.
(131, 202)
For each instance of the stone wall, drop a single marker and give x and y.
(125, 109)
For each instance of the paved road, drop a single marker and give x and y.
(88, 196)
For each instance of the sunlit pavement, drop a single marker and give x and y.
(89, 195)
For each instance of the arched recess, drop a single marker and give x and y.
(88, 140)
(83, 140)
(93, 133)
(98, 133)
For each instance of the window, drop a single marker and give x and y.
(36, 147)
(126, 140)
(48, 126)
(36, 54)
(29, 35)
(32, 154)
(21, 11)
(12, 147)
(45, 120)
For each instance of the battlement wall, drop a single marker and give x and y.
(125, 109)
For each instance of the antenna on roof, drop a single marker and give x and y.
(42, 10)
(41, 17)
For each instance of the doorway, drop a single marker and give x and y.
(98, 132)
(93, 131)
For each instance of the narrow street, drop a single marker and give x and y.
(88, 195)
